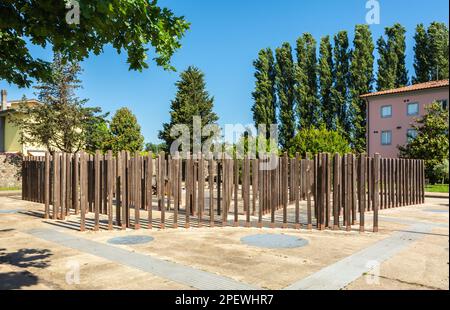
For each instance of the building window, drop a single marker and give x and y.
(386, 111)
(443, 103)
(386, 137)
(413, 109)
(411, 134)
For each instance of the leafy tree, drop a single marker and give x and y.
(431, 143)
(285, 82)
(340, 90)
(125, 132)
(61, 121)
(441, 171)
(127, 25)
(317, 140)
(421, 61)
(438, 48)
(308, 102)
(392, 71)
(329, 111)
(97, 135)
(264, 95)
(155, 148)
(361, 79)
(191, 100)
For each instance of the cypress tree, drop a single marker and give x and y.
(361, 79)
(329, 111)
(392, 71)
(285, 84)
(438, 46)
(307, 86)
(191, 100)
(340, 92)
(421, 65)
(264, 95)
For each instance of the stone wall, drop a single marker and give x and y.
(10, 170)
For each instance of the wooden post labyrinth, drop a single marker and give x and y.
(110, 191)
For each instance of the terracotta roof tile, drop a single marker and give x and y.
(421, 86)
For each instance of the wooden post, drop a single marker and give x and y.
(285, 188)
(75, 183)
(97, 190)
(336, 175)
(119, 184)
(201, 188)
(162, 188)
(137, 190)
(56, 184)
(246, 187)
(83, 191)
(328, 191)
(308, 192)
(211, 168)
(110, 185)
(236, 192)
(47, 185)
(62, 188)
(376, 182)
(297, 193)
(362, 191)
(347, 189)
(149, 189)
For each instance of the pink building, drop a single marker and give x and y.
(391, 113)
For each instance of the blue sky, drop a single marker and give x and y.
(224, 39)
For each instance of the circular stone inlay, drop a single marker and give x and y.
(273, 241)
(131, 240)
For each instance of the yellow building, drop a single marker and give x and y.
(9, 133)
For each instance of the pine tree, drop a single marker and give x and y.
(329, 111)
(285, 82)
(191, 100)
(438, 45)
(308, 107)
(340, 91)
(264, 95)
(361, 79)
(61, 122)
(125, 132)
(421, 62)
(392, 72)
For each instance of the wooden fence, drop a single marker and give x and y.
(127, 191)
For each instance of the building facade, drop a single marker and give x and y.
(391, 114)
(9, 133)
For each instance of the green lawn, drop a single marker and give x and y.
(9, 188)
(437, 188)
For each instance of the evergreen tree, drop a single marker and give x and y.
(361, 79)
(191, 100)
(308, 102)
(340, 92)
(264, 95)
(329, 111)
(438, 46)
(285, 83)
(421, 65)
(125, 132)
(392, 71)
(61, 121)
